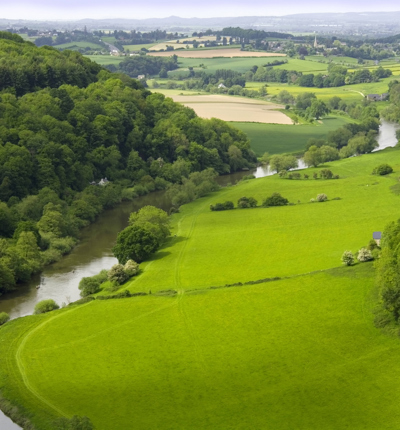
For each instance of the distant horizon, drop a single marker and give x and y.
(76, 10)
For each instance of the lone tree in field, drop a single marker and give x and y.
(348, 258)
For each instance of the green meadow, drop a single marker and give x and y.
(298, 352)
(349, 93)
(238, 64)
(215, 248)
(279, 138)
(73, 45)
(105, 59)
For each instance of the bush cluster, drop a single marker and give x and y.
(228, 205)
(323, 174)
(246, 202)
(46, 306)
(275, 200)
(320, 198)
(91, 285)
(382, 169)
(4, 317)
(119, 274)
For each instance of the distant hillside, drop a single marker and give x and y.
(375, 23)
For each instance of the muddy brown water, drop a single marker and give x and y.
(60, 281)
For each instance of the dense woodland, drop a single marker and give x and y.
(25, 68)
(57, 140)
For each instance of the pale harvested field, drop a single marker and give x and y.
(234, 109)
(213, 53)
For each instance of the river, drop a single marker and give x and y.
(60, 281)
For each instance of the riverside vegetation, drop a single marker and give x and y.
(219, 313)
(82, 127)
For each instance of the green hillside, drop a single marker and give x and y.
(300, 352)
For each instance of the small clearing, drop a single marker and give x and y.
(213, 53)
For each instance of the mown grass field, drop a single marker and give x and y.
(278, 139)
(296, 353)
(300, 353)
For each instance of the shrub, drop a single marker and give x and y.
(372, 245)
(117, 274)
(275, 200)
(45, 306)
(247, 202)
(326, 174)
(88, 286)
(217, 207)
(364, 254)
(228, 205)
(348, 258)
(382, 169)
(131, 268)
(322, 197)
(283, 173)
(4, 317)
(91, 285)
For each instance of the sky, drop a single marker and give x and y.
(135, 9)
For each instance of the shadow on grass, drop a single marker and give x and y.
(159, 256)
(173, 240)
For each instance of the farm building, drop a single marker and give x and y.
(377, 236)
(378, 97)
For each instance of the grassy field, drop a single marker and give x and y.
(300, 353)
(72, 45)
(238, 64)
(227, 52)
(278, 139)
(105, 59)
(280, 241)
(296, 353)
(348, 92)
